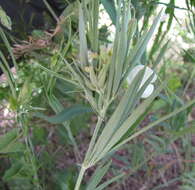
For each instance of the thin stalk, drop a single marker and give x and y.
(73, 141)
(30, 156)
(91, 145)
(57, 107)
(80, 178)
(6, 65)
(95, 133)
(7, 44)
(51, 10)
(189, 81)
(9, 80)
(188, 152)
(171, 6)
(94, 137)
(56, 75)
(32, 160)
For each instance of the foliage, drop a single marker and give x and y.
(76, 81)
(5, 19)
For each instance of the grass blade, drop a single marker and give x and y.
(82, 37)
(65, 115)
(110, 8)
(119, 133)
(150, 126)
(135, 56)
(97, 176)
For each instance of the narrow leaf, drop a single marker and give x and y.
(13, 147)
(164, 118)
(105, 184)
(65, 115)
(12, 171)
(138, 51)
(115, 120)
(119, 133)
(5, 19)
(110, 8)
(82, 37)
(8, 138)
(97, 176)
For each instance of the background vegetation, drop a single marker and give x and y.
(68, 117)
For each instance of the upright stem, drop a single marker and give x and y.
(80, 177)
(189, 81)
(85, 164)
(29, 156)
(70, 135)
(94, 137)
(57, 107)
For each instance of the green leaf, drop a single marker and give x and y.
(158, 104)
(7, 138)
(55, 74)
(12, 171)
(65, 115)
(65, 179)
(39, 135)
(135, 55)
(122, 45)
(161, 54)
(13, 147)
(97, 176)
(174, 83)
(184, 131)
(151, 125)
(9, 48)
(5, 19)
(92, 13)
(82, 37)
(120, 115)
(110, 8)
(105, 184)
(8, 142)
(72, 7)
(170, 10)
(120, 132)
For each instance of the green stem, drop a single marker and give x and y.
(7, 44)
(94, 137)
(57, 107)
(32, 161)
(53, 73)
(80, 177)
(95, 133)
(73, 141)
(9, 80)
(30, 155)
(51, 10)
(189, 82)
